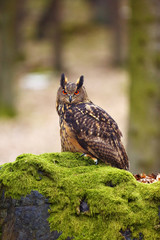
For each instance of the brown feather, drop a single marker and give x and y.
(87, 128)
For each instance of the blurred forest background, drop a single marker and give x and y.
(115, 44)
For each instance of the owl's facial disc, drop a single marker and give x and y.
(71, 91)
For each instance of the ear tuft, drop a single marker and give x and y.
(63, 80)
(80, 82)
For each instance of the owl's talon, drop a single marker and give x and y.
(87, 155)
(96, 161)
(83, 155)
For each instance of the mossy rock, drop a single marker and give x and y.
(116, 204)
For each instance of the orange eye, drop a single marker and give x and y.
(77, 92)
(64, 92)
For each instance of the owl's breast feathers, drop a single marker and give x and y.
(94, 132)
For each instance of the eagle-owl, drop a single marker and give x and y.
(87, 128)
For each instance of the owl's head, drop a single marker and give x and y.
(71, 93)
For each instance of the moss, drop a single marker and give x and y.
(116, 200)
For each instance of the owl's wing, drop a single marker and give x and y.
(97, 133)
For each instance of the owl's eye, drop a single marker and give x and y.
(64, 92)
(77, 92)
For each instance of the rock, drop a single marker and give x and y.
(27, 218)
(84, 206)
(66, 196)
(128, 235)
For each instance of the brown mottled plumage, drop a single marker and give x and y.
(87, 128)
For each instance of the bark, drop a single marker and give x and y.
(21, 14)
(49, 26)
(111, 13)
(7, 55)
(8, 50)
(144, 126)
(117, 32)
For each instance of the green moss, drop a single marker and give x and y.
(116, 200)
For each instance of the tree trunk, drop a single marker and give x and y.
(144, 127)
(111, 13)
(50, 26)
(7, 56)
(118, 24)
(57, 35)
(21, 13)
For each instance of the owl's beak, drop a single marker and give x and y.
(70, 98)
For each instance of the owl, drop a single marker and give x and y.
(86, 128)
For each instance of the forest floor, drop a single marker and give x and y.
(35, 129)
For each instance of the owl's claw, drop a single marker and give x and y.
(83, 155)
(96, 161)
(87, 155)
